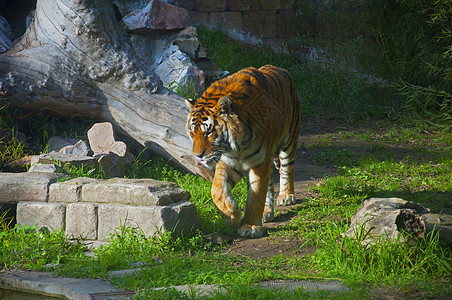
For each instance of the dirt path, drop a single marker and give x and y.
(308, 173)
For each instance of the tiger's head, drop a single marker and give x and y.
(206, 127)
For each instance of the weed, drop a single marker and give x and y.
(188, 90)
(27, 247)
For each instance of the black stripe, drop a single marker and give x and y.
(255, 152)
(288, 164)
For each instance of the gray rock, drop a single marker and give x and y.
(157, 15)
(49, 215)
(102, 140)
(181, 217)
(145, 192)
(34, 186)
(176, 69)
(393, 217)
(44, 283)
(39, 167)
(112, 164)
(78, 149)
(188, 43)
(56, 143)
(440, 223)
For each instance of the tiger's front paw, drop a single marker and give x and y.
(252, 231)
(285, 199)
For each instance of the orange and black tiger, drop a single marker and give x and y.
(238, 126)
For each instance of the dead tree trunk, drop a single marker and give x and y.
(74, 60)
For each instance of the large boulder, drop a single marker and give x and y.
(395, 218)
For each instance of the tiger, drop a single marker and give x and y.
(239, 126)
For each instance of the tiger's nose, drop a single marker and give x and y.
(200, 156)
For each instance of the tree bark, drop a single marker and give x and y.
(75, 61)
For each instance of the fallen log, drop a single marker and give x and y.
(75, 60)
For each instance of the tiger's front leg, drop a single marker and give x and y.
(251, 224)
(224, 181)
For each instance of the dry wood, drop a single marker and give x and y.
(76, 61)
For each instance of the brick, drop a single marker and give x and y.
(288, 24)
(228, 20)
(81, 220)
(50, 215)
(199, 18)
(68, 191)
(149, 219)
(33, 186)
(259, 24)
(209, 5)
(187, 4)
(241, 5)
(146, 192)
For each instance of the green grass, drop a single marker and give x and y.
(29, 248)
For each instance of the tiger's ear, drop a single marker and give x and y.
(225, 105)
(190, 102)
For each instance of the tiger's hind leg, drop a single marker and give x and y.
(286, 169)
(269, 208)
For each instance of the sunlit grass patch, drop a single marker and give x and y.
(392, 262)
(29, 248)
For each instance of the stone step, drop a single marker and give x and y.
(94, 221)
(93, 208)
(148, 192)
(17, 187)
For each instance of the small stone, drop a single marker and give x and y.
(78, 149)
(101, 137)
(39, 167)
(56, 143)
(112, 164)
(118, 148)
